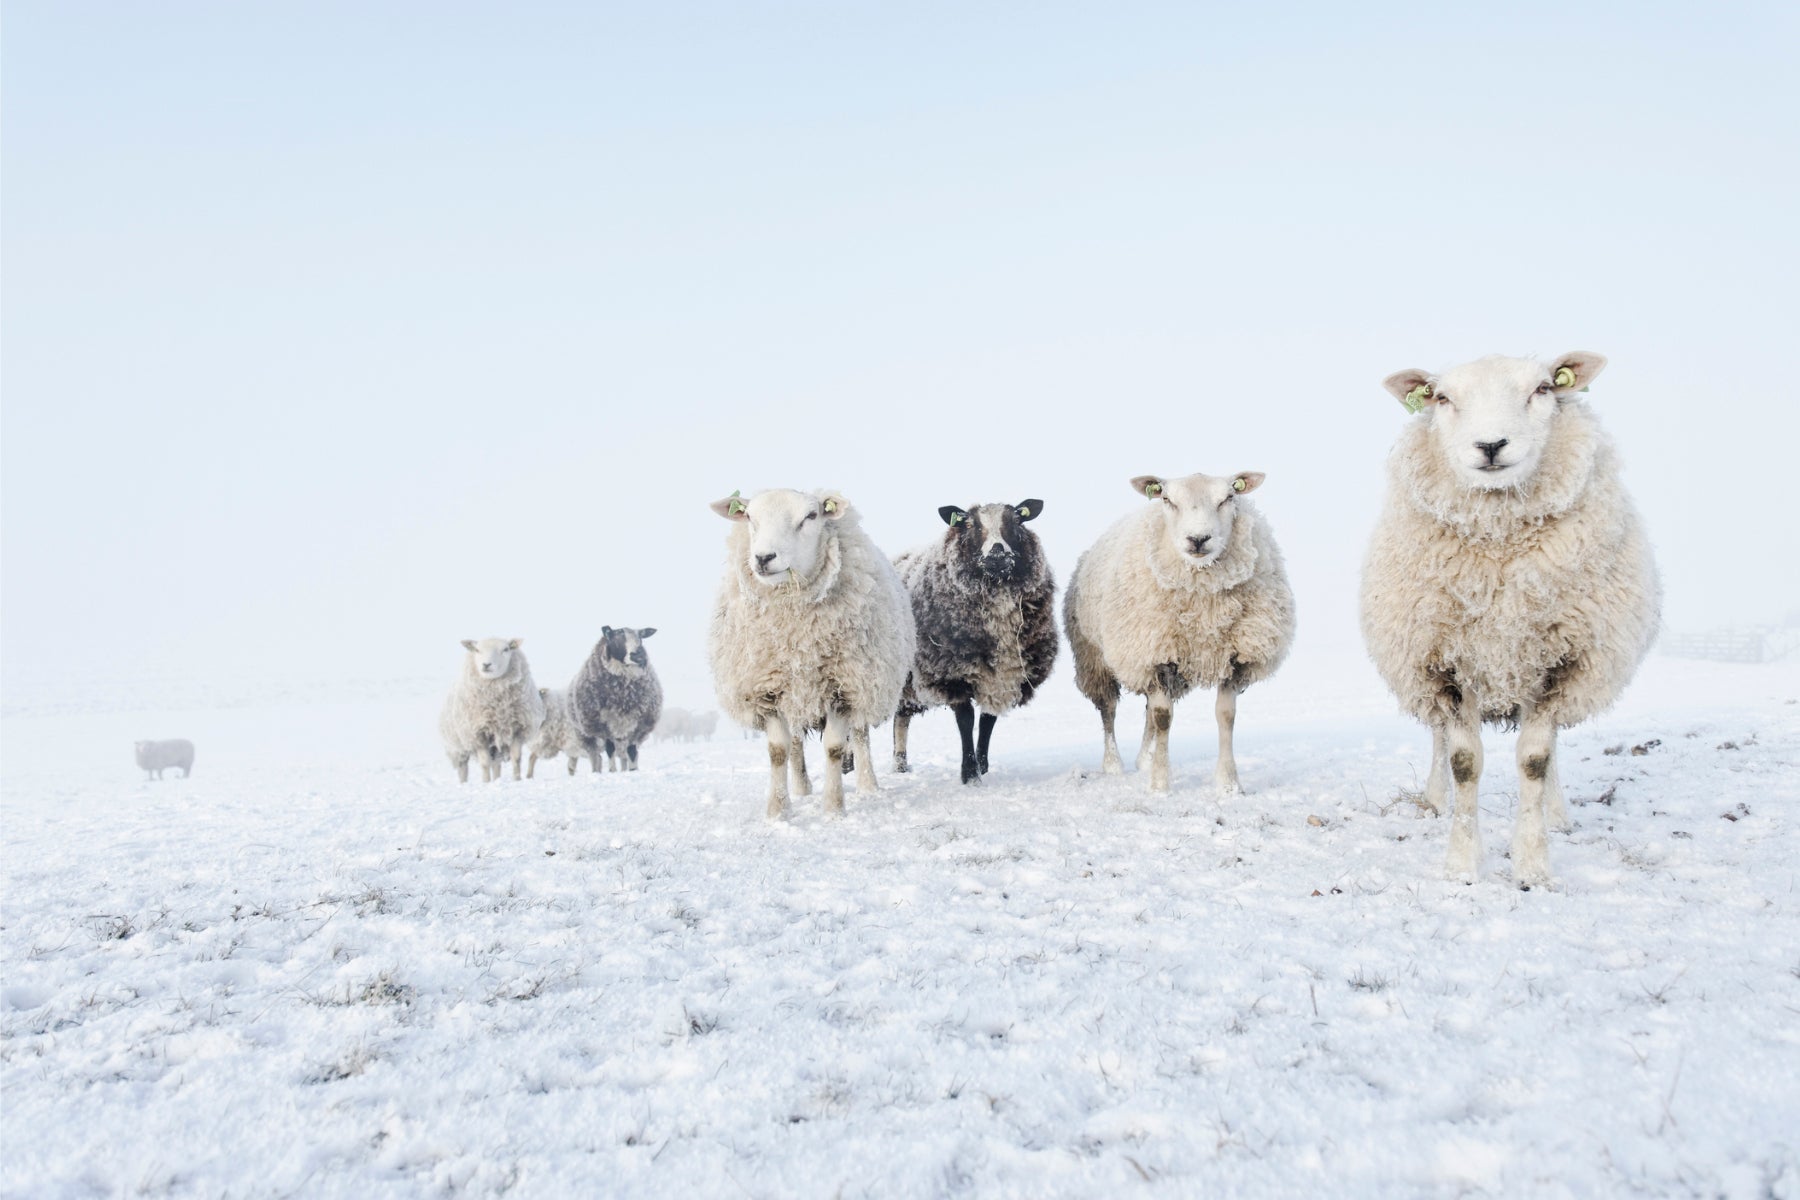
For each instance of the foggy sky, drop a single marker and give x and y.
(336, 333)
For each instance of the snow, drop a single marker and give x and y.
(321, 966)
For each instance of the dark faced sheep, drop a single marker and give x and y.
(984, 602)
(615, 698)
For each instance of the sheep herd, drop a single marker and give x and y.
(1509, 581)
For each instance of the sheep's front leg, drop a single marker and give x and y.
(965, 728)
(1556, 810)
(1464, 737)
(1161, 712)
(461, 764)
(531, 767)
(865, 762)
(1225, 776)
(1147, 744)
(837, 732)
(518, 756)
(981, 741)
(1110, 762)
(902, 725)
(1531, 843)
(797, 765)
(574, 761)
(779, 743)
(1437, 780)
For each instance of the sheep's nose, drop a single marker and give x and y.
(1197, 545)
(1491, 449)
(763, 561)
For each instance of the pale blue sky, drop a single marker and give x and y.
(334, 333)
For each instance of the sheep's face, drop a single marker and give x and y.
(623, 646)
(787, 531)
(1198, 511)
(1492, 418)
(991, 541)
(493, 657)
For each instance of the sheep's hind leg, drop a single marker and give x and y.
(1531, 843)
(902, 726)
(531, 767)
(865, 762)
(518, 755)
(837, 732)
(1437, 780)
(1225, 775)
(965, 727)
(981, 741)
(779, 742)
(1110, 762)
(802, 785)
(1464, 736)
(1147, 744)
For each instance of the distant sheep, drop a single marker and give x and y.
(680, 725)
(984, 603)
(811, 625)
(1509, 581)
(493, 710)
(556, 735)
(615, 699)
(157, 757)
(1185, 593)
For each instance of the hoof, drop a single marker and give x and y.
(1112, 766)
(1227, 787)
(900, 767)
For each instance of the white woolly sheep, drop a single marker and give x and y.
(493, 710)
(1509, 581)
(1188, 592)
(556, 735)
(616, 698)
(157, 757)
(984, 604)
(811, 627)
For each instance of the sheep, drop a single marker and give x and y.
(556, 735)
(984, 604)
(1188, 592)
(493, 710)
(615, 698)
(811, 627)
(1508, 580)
(157, 757)
(702, 725)
(672, 726)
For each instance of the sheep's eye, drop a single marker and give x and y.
(1442, 397)
(1543, 389)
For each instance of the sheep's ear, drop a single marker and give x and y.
(1028, 509)
(953, 516)
(606, 631)
(468, 643)
(732, 508)
(515, 643)
(1411, 387)
(1148, 486)
(1246, 481)
(833, 505)
(644, 633)
(1574, 371)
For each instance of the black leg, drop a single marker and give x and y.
(965, 725)
(981, 746)
(631, 753)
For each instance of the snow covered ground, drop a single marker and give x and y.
(322, 967)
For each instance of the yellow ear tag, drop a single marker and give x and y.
(1153, 490)
(1564, 377)
(1415, 399)
(831, 506)
(1238, 484)
(1024, 513)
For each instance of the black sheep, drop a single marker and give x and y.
(615, 698)
(983, 599)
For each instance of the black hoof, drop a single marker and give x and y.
(981, 765)
(900, 767)
(970, 772)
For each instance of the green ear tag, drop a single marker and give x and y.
(1564, 377)
(1153, 490)
(956, 518)
(1415, 399)
(736, 506)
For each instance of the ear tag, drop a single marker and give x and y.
(1565, 378)
(736, 506)
(1153, 490)
(1237, 485)
(831, 506)
(1024, 512)
(956, 518)
(1415, 399)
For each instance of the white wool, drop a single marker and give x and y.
(493, 710)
